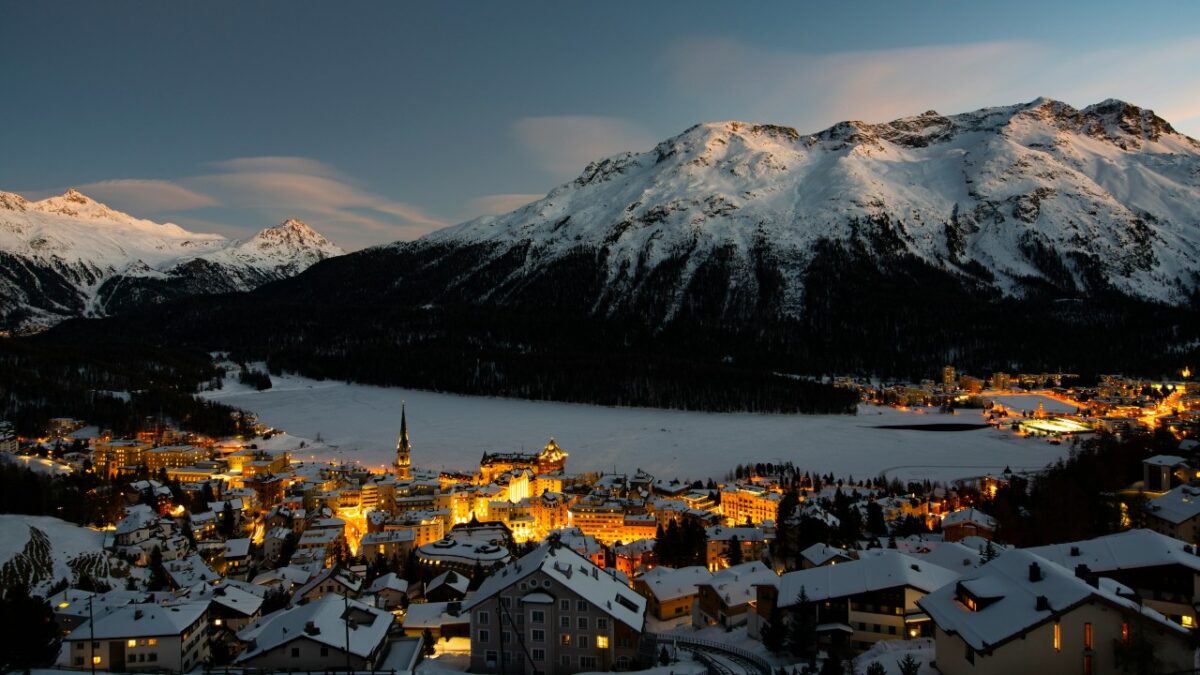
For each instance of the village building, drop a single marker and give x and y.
(313, 636)
(141, 637)
(671, 593)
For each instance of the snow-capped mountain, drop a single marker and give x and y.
(71, 256)
(732, 216)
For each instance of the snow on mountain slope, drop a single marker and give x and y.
(1107, 195)
(39, 551)
(72, 256)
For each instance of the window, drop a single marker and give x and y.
(564, 639)
(564, 622)
(539, 654)
(79, 661)
(490, 656)
(295, 652)
(602, 623)
(131, 643)
(1057, 636)
(505, 636)
(504, 601)
(484, 636)
(545, 583)
(78, 645)
(1125, 632)
(565, 660)
(581, 605)
(891, 630)
(539, 616)
(1087, 664)
(520, 619)
(539, 636)
(324, 651)
(1087, 636)
(587, 662)
(96, 660)
(484, 618)
(582, 642)
(153, 656)
(564, 605)
(601, 642)
(583, 623)
(153, 641)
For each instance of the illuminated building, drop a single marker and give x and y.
(751, 540)
(114, 456)
(388, 545)
(551, 460)
(608, 520)
(173, 456)
(403, 464)
(462, 554)
(742, 504)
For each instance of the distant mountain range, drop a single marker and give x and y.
(70, 256)
(1030, 236)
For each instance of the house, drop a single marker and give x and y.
(390, 591)
(325, 634)
(447, 587)
(390, 545)
(1176, 513)
(1023, 609)
(725, 598)
(1164, 572)
(751, 540)
(441, 619)
(236, 556)
(862, 601)
(1163, 472)
(819, 555)
(232, 608)
(330, 580)
(567, 613)
(968, 522)
(141, 637)
(671, 593)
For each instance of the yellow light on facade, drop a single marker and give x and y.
(132, 643)
(1189, 621)
(1057, 637)
(96, 660)
(602, 642)
(63, 605)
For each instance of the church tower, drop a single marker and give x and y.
(403, 449)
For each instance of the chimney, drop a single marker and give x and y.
(1043, 604)
(137, 614)
(1074, 551)
(311, 628)
(1035, 572)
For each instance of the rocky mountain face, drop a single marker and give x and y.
(71, 256)
(729, 218)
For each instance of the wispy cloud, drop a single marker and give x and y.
(565, 144)
(812, 91)
(492, 205)
(146, 196)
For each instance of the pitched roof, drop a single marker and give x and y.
(1010, 603)
(886, 569)
(667, 583)
(390, 581)
(323, 621)
(1125, 550)
(1177, 506)
(142, 620)
(819, 554)
(969, 515)
(575, 572)
(736, 584)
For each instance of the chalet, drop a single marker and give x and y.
(671, 593)
(389, 591)
(447, 587)
(1176, 513)
(819, 555)
(141, 637)
(332, 580)
(725, 599)
(1163, 472)
(567, 614)
(751, 540)
(324, 634)
(441, 619)
(863, 601)
(968, 523)
(1023, 609)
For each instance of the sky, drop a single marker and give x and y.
(377, 122)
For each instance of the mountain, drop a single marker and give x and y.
(695, 273)
(39, 551)
(70, 256)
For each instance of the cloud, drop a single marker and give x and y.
(277, 164)
(494, 205)
(146, 195)
(812, 91)
(565, 144)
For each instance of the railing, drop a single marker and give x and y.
(712, 645)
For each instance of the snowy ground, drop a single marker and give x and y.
(1029, 402)
(359, 422)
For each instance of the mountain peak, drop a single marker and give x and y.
(292, 235)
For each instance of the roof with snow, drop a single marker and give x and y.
(969, 515)
(668, 583)
(1177, 506)
(450, 579)
(1125, 550)
(728, 533)
(574, 572)
(819, 554)
(433, 615)
(237, 548)
(388, 582)
(323, 621)
(1009, 602)
(886, 569)
(735, 585)
(137, 517)
(141, 620)
(1164, 460)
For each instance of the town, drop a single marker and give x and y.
(232, 553)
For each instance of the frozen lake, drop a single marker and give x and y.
(452, 432)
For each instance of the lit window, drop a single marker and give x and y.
(96, 660)
(132, 643)
(1057, 637)
(1087, 636)
(1189, 621)
(601, 642)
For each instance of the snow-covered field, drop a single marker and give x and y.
(358, 422)
(1029, 402)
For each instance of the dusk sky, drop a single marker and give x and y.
(382, 121)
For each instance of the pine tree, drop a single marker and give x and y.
(908, 665)
(734, 556)
(29, 637)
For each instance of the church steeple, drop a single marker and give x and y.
(403, 448)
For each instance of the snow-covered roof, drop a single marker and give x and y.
(742, 533)
(237, 599)
(451, 579)
(969, 515)
(885, 569)
(237, 548)
(323, 621)
(189, 571)
(391, 582)
(432, 615)
(736, 584)
(819, 554)
(1125, 550)
(668, 583)
(1009, 603)
(336, 573)
(1165, 460)
(575, 572)
(137, 517)
(1177, 506)
(141, 620)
